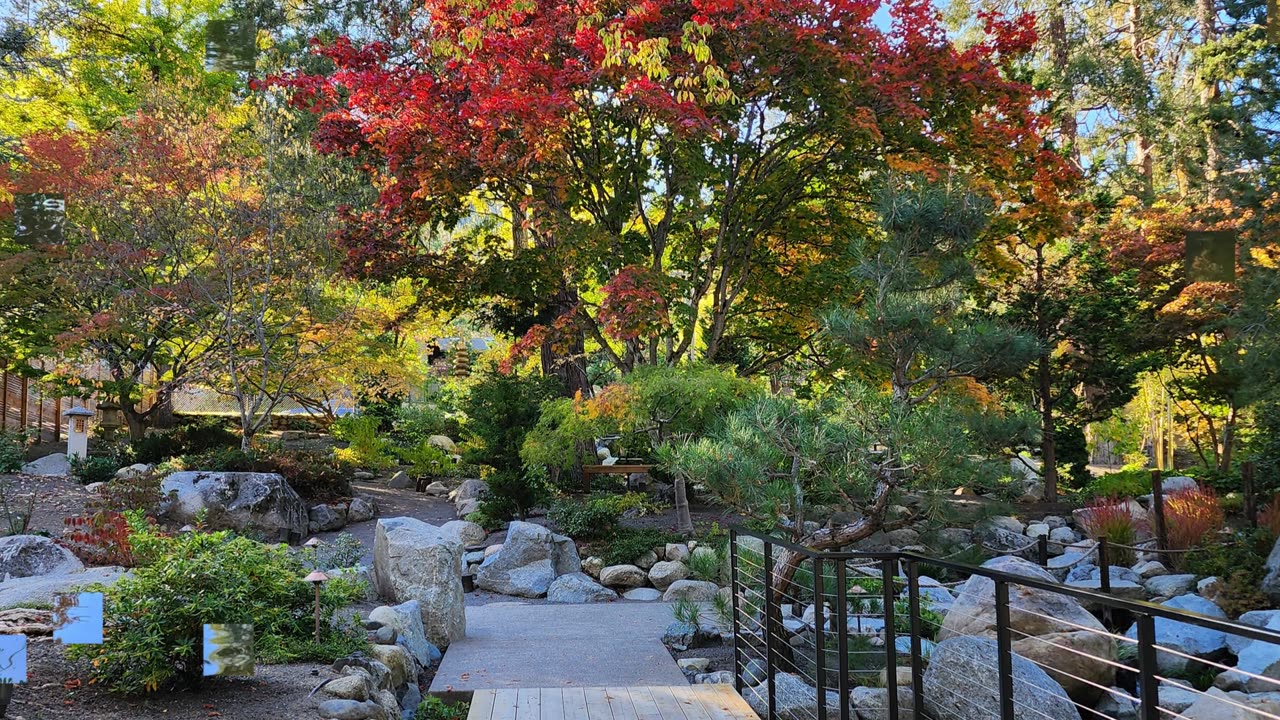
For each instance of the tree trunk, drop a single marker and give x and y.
(1145, 165)
(1060, 52)
(684, 522)
(137, 422)
(1048, 442)
(1206, 13)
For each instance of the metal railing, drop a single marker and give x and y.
(834, 621)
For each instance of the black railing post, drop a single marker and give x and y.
(842, 636)
(769, 601)
(887, 569)
(737, 622)
(1148, 684)
(820, 636)
(1004, 647)
(1043, 550)
(917, 632)
(1104, 566)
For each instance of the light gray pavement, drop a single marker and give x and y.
(513, 645)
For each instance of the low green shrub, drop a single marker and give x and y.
(1129, 482)
(13, 448)
(314, 475)
(1240, 563)
(625, 544)
(513, 493)
(433, 708)
(597, 515)
(427, 460)
(92, 469)
(414, 424)
(154, 619)
(707, 566)
(192, 438)
(344, 551)
(366, 446)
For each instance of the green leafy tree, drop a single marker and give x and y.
(501, 409)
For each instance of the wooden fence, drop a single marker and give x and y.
(26, 407)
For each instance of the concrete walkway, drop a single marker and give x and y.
(513, 645)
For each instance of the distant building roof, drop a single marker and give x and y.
(478, 344)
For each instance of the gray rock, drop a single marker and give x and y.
(694, 590)
(1183, 637)
(694, 665)
(464, 508)
(962, 683)
(23, 556)
(623, 576)
(1218, 705)
(530, 558)
(349, 710)
(1170, 585)
(468, 533)
(642, 594)
(1177, 482)
(1043, 620)
(1054, 522)
(1126, 589)
(754, 672)
(676, 552)
(998, 539)
(361, 509)
(794, 699)
(323, 518)
(1257, 618)
(720, 677)
(406, 620)
(1175, 697)
(1063, 535)
(578, 588)
(664, 573)
(134, 471)
(349, 687)
(954, 537)
(1271, 582)
(436, 489)
(41, 589)
(401, 665)
(261, 504)
(400, 480)
(362, 475)
(444, 443)
(56, 465)
(873, 703)
(646, 561)
(1004, 522)
(410, 702)
(470, 489)
(1117, 704)
(1256, 658)
(1148, 569)
(416, 561)
(385, 635)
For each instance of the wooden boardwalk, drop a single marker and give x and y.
(682, 702)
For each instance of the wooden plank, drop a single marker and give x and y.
(620, 703)
(552, 704)
(529, 704)
(598, 704)
(504, 704)
(688, 699)
(481, 705)
(668, 704)
(615, 469)
(643, 703)
(722, 702)
(575, 703)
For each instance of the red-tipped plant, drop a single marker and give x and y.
(1192, 516)
(1111, 518)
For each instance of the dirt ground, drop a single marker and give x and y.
(55, 690)
(55, 499)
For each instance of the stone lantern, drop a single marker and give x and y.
(110, 418)
(77, 432)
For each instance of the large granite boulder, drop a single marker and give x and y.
(323, 518)
(1258, 664)
(260, 504)
(24, 556)
(416, 561)
(530, 559)
(1215, 704)
(1046, 627)
(963, 683)
(468, 533)
(467, 496)
(1181, 637)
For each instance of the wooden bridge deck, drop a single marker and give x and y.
(686, 702)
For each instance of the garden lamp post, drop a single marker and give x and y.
(317, 578)
(77, 432)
